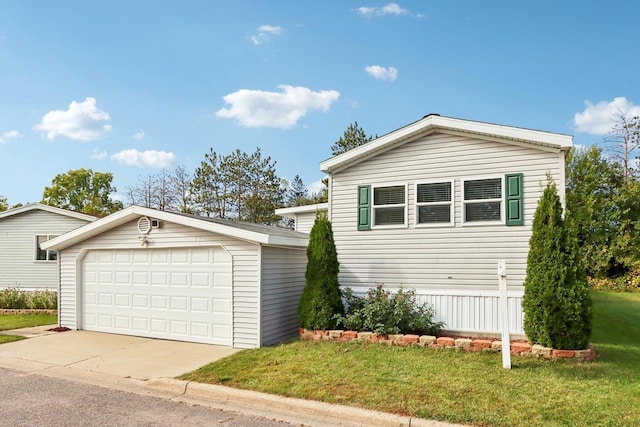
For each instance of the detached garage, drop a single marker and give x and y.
(165, 275)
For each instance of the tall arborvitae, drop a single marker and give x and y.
(321, 300)
(556, 303)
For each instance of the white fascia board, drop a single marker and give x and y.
(293, 211)
(433, 123)
(47, 208)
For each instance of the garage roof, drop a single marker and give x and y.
(255, 233)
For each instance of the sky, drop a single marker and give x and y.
(131, 87)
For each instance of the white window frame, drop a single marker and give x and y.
(35, 248)
(405, 205)
(451, 204)
(463, 201)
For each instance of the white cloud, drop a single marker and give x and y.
(256, 108)
(12, 134)
(388, 9)
(83, 121)
(150, 158)
(316, 187)
(381, 73)
(264, 33)
(598, 119)
(98, 155)
(139, 136)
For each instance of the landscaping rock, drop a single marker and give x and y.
(365, 336)
(426, 340)
(410, 339)
(335, 334)
(541, 351)
(496, 345)
(563, 354)
(520, 347)
(479, 343)
(463, 342)
(446, 342)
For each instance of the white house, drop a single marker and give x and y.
(434, 205)
(165, 275)
(24, 263)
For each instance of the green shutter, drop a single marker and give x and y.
(514, 199)
(364, 208)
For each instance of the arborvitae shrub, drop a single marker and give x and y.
(556, 303)
(321, 301)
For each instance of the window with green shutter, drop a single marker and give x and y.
(514, 209)
(364, 208)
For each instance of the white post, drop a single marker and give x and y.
(504, 314)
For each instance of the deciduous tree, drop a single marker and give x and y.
(82, 190)
(4, 205)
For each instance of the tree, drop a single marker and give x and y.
(82, 190)
(353, 137)
(238, 186)
(181, 187)
(321, 302)
(297, 193)
(593, 185)
(625, 140)
(4, 204)
(556, 303)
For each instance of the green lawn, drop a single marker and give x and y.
(470, 388)
(17, 321)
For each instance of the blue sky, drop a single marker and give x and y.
(129, 87)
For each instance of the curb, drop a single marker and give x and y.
(285, 408)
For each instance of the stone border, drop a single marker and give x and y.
(26, 311)
(518, 348)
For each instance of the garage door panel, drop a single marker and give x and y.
(183, 294)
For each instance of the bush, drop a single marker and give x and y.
(12, 298)
(383, 312)
(556, 303)
(627, 283)
(321, 300)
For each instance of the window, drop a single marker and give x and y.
(389, 205)
(482, 200)
(434, 203)
(41, 254)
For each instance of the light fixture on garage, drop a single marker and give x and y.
(144, 227)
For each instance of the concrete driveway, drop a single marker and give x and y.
(120, 355)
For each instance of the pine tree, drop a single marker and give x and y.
(353, 137)
(321, 300)
(556, 303)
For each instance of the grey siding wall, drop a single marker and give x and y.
(462, 258)
(245, 271)
(282, 284)
(18, 266)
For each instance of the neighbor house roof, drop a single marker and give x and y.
(46, 208)
(295, 210)
(436, 123)
(255, 233)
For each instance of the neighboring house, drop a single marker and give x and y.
(165, 275)
(24, 264)
(303, 216)
(434, 205)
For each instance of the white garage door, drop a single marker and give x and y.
(179, 293)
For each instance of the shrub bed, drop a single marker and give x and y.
(12, 298)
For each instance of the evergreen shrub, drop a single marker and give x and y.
(321, 301)
(556, 303)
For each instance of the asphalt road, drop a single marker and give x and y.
(28, 400)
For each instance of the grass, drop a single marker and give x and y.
(17, 321)
(10, 338)
(463, 387)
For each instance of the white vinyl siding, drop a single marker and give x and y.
(304, 221)
(18, 264)
(435, 258)
(245, 269)
(283, 280)
(434, 203)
